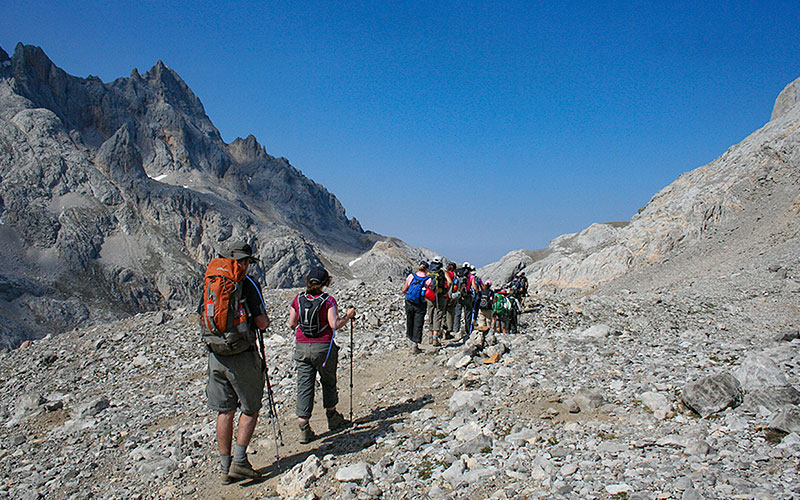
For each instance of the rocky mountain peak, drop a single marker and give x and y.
(171, 88)
(248, 150)
(127, 189)
(787, 99)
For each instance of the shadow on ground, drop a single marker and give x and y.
(364, 433)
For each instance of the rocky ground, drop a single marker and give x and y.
(589, 401)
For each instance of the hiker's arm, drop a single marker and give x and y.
(405, 287)
(262, 321)
(292, 318)
(341, 320)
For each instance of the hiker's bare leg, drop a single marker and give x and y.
(225, 431)
(247, 425)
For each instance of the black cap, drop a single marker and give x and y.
(240, 250)
(318, 275)
(424, 264)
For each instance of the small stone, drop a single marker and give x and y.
(356, 472)
(787, 419)
(697, 448)
(588, 400)
(616, 489)
(683, 483)
(758, 371)
(713, 394)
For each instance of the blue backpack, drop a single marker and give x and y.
(416, 290)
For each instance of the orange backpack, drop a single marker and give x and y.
(224, 317)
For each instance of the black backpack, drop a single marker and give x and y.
(484, 299)
(436, 274)
(308, 314)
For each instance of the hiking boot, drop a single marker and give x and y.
(435, 341)
(307, 435)
(225, 478)
(415, 349)
(243, 471)
(336, 420)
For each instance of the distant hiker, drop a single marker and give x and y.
(483, 303)
(452, 294)
(467, 287)
(523, 291)
(436, 306)
(513, 314)
(314, 316)
(231, 310)
(414, 289)
(501, 309)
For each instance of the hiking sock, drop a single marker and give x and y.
(225, 463)
(239, 453)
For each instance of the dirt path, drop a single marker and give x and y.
(387, 387)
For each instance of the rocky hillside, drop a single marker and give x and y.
(601, 395)
(743, 204)
(113, 197)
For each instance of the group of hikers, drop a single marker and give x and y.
(444, 295)
(233, 316)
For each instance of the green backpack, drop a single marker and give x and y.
(501, 304)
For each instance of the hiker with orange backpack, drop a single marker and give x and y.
(314, 317)
(231, 311)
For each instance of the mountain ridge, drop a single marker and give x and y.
(750, 192)
(129, 186)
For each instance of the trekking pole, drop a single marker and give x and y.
(351, 369)
(272, 408)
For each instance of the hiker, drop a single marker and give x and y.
(482, 309)
(314, 316)
(436, 306)
(500, 311)
(235, 370)
(523, 291)
(467, 288)
(513, 314)
(452, 295)
(414, 289)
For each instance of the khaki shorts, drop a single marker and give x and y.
(235, 381)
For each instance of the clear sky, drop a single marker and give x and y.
(470, 128)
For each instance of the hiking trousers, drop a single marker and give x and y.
(415, 319)
(463, 309)
(450, 315)
(308, 358)
(436, 313)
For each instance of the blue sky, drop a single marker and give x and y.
(471, 128)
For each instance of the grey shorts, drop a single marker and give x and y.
(235, 381)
